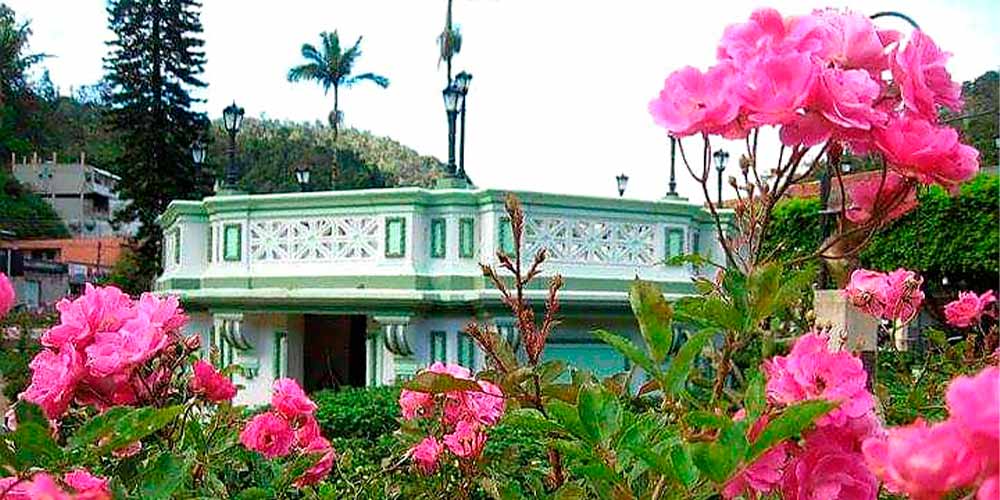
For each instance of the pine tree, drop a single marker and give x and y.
(153, 63)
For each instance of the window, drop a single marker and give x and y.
(280, 355)
(675, 242)
(374, 349)
(506, 237)
(439, 350)
(467, 238)
(466, 351)
(696, 241)
(395, 237)
(232, 242)
(209, 249)
(438, 238)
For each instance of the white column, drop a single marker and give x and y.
(393, 349)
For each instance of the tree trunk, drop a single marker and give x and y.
(447, 41)
(336, 113)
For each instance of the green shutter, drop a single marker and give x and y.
(439, 351)
(675, 242)
(506, 237)
(438, 238)
(232, 242)
(466, 351)
(280, 355)
(209, 250)
(374, 352)
(467, 238)
(177, 246)
(395, 237)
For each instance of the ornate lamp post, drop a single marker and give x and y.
(673, 173)
(622, 181)
(453, 100)
(232, 118)
(198, 155)
(462, 81)
(302, 177)
(721, 157)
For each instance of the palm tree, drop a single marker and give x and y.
(331, 67)
(450, 42)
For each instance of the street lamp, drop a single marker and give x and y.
(673, 174)
(622, 180)
(198, 155)
(232, 118)
(453, 100)
(462, 81)
(721, 157)
(302, 177)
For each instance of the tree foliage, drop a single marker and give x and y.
(26, 215)
(154, 62)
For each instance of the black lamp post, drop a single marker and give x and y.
(721, 157)
(302, 177)
(673, 174)
(198, 155)
(622, 181)
(453, 100)
(462, 81)
(232, 118)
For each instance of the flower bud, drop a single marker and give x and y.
(192, 342)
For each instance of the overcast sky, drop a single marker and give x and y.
(560, 89)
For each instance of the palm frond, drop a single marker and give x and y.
(379, 80)
(310, 53)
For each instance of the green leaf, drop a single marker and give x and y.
(600, 412)
(684, 468)
(117, 429)
(163, 476)
(790, 423)
(25, 412)
(655, 316)
(33, 446)
(567, 417)
(551, 370)
(439, 383)
(255, 493)
(628, 349)
(755, 399)
(719, 459)
(571, 491)
(707, 420)
(680, 365)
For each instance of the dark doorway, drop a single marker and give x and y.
(334, 351)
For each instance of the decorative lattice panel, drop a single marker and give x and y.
(589, 241)
(315, 239)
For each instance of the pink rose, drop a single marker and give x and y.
(13, 489)
(924, 82)
(136, 342)
(457, 371)
(930, 153)
(846, 98)
(467, 441)
(7, 296)
(852, 41)
(319, 471)
(922, 461)
(775, 87)
(968, 308)
(54, 378)
(268, 434)
(692, 102)
(896, 198)
(87, 486)
(763, 474)
(487, 406)
(827, 474)
(210, 383)
(767, 31)
(163, 313)
(974, 406)
(892, 296)
(290, 400)
(990, 489)
(44, 487)
(425, 455)
(812, 371)
(415, 404)
(99, 309)
(308, 432)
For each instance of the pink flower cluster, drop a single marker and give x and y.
(824, 76)
(99, 353)
(891, 296)
(929, 461)
(82, 485)
(6, 295)
(827, 463)
(211, 384)
(885, 200)
(969, 308)
(463, 416)
(290, 427)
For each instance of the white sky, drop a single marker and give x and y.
(559, 97)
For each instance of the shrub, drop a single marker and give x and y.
(358, 412)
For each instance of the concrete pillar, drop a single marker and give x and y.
(850, 329)
(394, 350)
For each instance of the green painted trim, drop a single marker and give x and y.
(226, 256)
(210, 244)
(439, 238)
(466, 238)
(466, 350)
(671, 233)
(178, 208)
(439, 346)
(389, 222)
(279, 357)
(412, 282)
